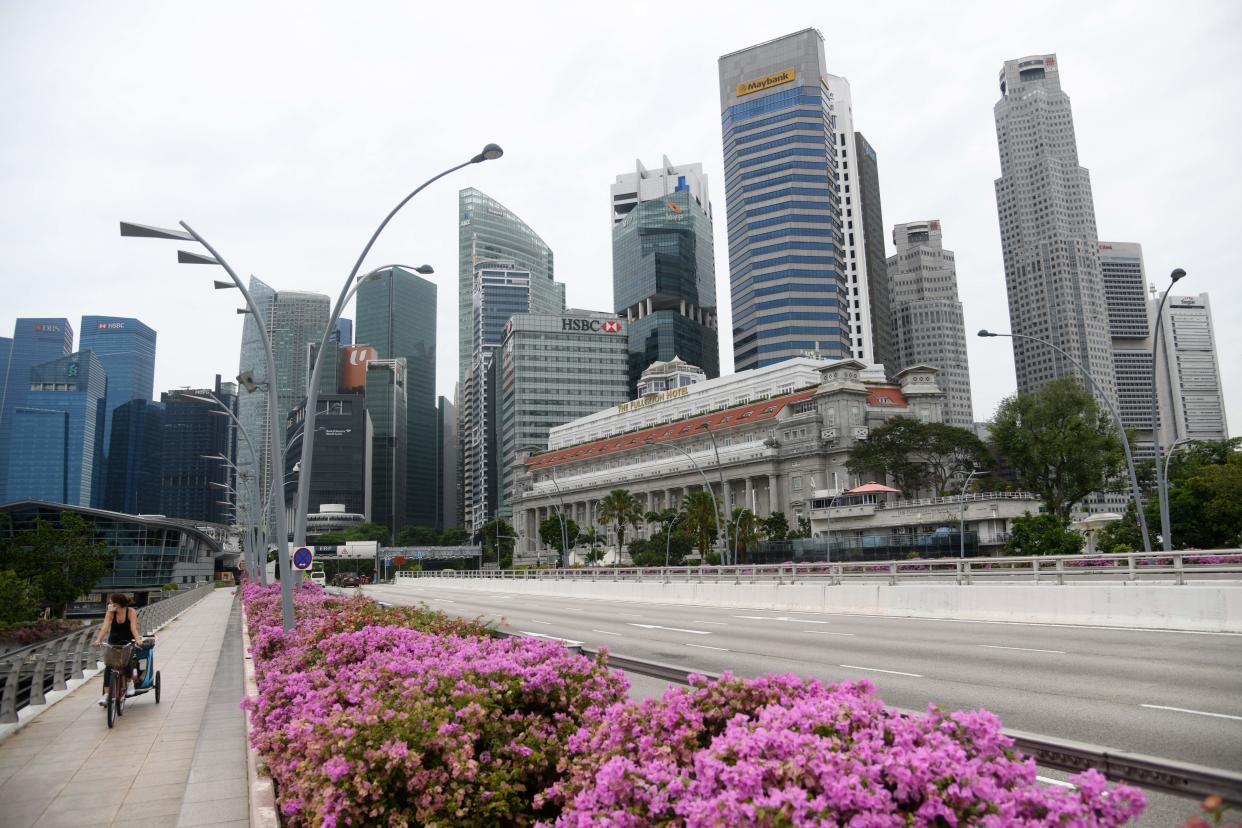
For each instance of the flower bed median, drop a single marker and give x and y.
(374, 716)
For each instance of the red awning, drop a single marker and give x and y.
(873, 488)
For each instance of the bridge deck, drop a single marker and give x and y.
(182, 762)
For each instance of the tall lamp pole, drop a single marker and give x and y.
(1125, 440)
(489, 153)
(961, 526)
(564, 532)
(668, 537)
(1162, 483)
(723, 493)
(715, 505)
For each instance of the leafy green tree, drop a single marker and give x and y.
(745, 531)
(418, 536)
(455, 536)
(1123, 535)
(550, 533)
(1205, 504)
(497, 536)
(60, 561)
(358, 532)
(1059, 443)
(18, 600)
(620, 508)
(652, 551)
(917, 455)
(701, 518)
(1042, 534)
(803, 530)
(775, 527)
(592, 538)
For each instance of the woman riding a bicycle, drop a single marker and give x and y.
(121, 627)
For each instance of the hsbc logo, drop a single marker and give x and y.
(591, 325)
(109, 326)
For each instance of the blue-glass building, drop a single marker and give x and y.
(35, 341)
(135, 455)
(192, 435)
(56, 442)
(147, 552)
(343, 334)
(786, 273)
(396, 315)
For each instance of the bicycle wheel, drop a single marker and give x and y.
(157, 686)
(110, 707)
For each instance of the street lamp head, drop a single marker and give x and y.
(425, 269)
(490, 153)
(223, 285)
(146, 231)
(1177, 274)
(186, 257)
(986, 332)
(243, 311)
(246, 379)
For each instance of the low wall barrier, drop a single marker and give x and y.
(28, 674)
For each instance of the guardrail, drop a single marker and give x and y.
(1148, 772)
(1130, 566)
(28, 674)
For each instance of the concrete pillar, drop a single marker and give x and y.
(750, 495)
(774, 497)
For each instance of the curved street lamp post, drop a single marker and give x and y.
(1125, 440)
(1162, 481)
(715, 505)
(961, 527)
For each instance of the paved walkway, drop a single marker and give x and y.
(182, 762)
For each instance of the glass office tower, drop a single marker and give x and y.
(135, 457)
(35, 341)
(663, 267)
(55, 452)
(386, 405)
(193, 434)
(396, 315)
(785, 269)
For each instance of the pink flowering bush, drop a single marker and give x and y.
(368, 716)
(781, 751)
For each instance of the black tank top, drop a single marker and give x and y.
(120, 633)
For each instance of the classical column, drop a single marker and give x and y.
(774, 497)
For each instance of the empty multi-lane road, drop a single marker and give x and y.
(1174, 695)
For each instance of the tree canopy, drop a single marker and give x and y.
(620, 508)
(1059, 443)
(918, 456)
(59, 561)
(494, 531)
(701, 518)
(550, 533)
(1043, 534)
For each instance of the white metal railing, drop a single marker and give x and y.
(1177, 567)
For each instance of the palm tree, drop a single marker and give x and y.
(592, 538)
(701, 518)
(744, 534)
(620, 507)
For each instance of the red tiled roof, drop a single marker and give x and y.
(886, 396)
(728, 418)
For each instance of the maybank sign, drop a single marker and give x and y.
(766, 83)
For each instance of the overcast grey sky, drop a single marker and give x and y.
(285, 131)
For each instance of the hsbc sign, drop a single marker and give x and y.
(591, 325)
(109, 326)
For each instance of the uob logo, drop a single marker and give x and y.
(361, 356)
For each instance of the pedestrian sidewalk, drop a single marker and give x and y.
(181, 762)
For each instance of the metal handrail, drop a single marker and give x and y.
(1040, 569)
(1149, 772)
(26, 675)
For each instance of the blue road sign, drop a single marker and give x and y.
(303, 557)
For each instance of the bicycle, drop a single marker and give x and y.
(118, 659)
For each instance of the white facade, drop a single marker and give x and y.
(631, 189)
(1048, 231)
(1188, 379)
(852, 220)
(666, 376)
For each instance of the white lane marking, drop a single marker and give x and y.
(713, 623)
(825, 632)
(705, 647)
(1196, 712)
(537, 621)
(780, 618)
(1099, 628)
(574, 609)
(1050, 781)
(670, 629)
(878, 670)
(605, 632)
(569, 641)
(1023, 649)
(629, 615)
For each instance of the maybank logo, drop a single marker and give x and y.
(766, 83)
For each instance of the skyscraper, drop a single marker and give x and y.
(786, 268)
(501, 290)
(489, 230)
(663, 266)
(195, 431)
(447, 464)
(55, 447)
(928, 327)
(35, 341)
(295, 320)
(1188, 377)
(343, 463)
(1048, 231)
(135, 456)
(396, 315)
(386, 389)
(1129, 329)
(126, 349)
